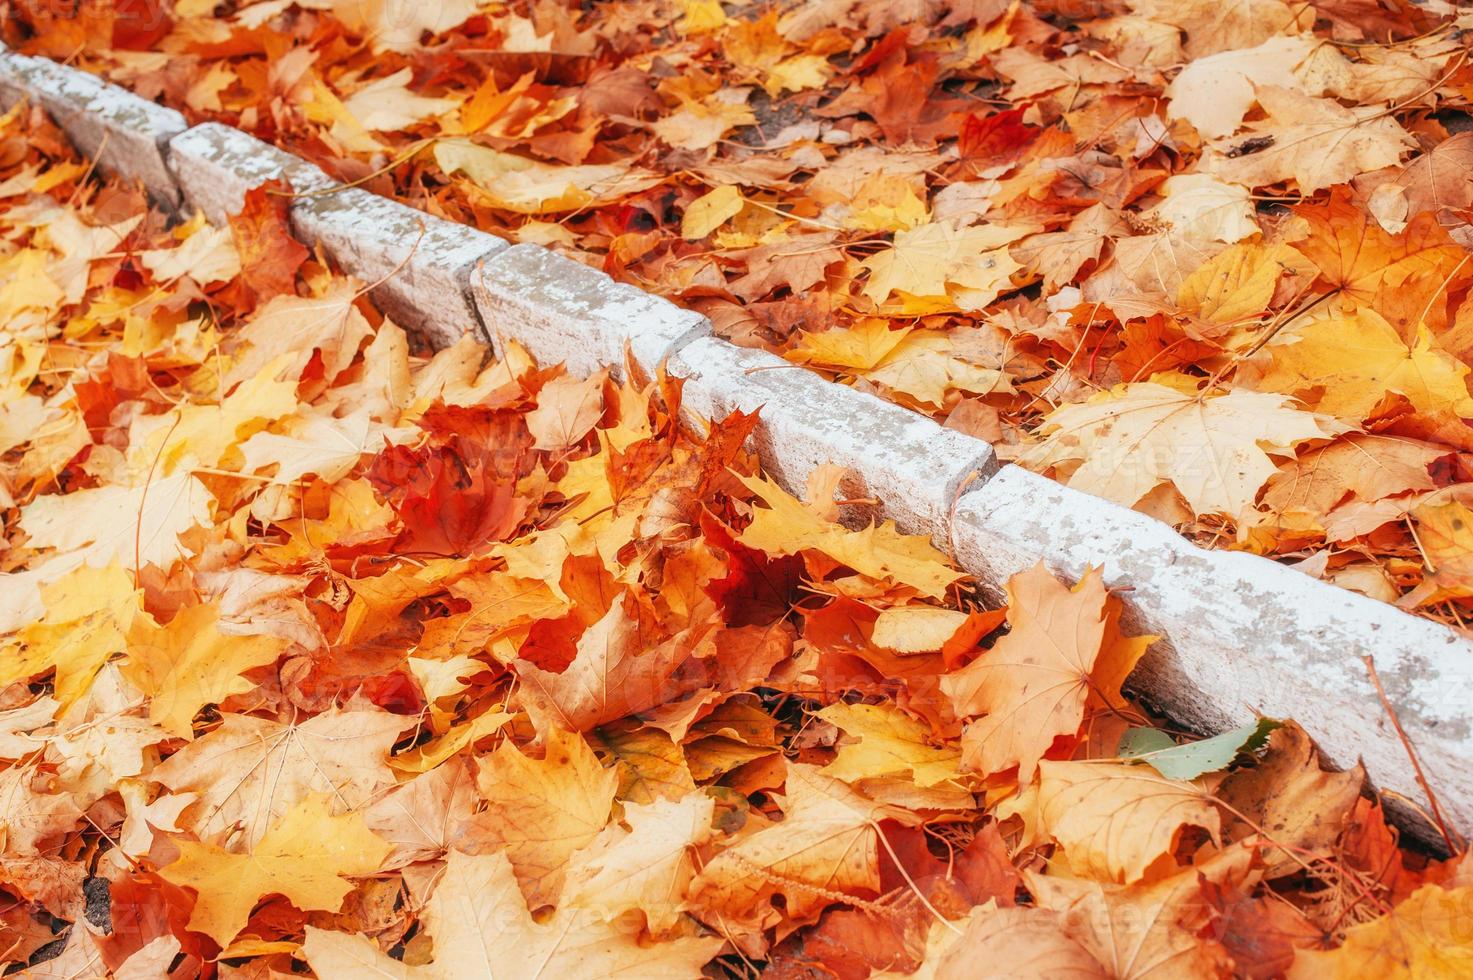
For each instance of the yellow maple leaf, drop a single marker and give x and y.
(798, 73)
(699, 125)
(887, 202)
(28, 816)
(504, 602)
(1022, 942)
(313, 443)
(86, 524)
(203, 95)
(1212, 26)
(88, 612)
(1216, 92)
(1445, 537)
(203, 434)
(651, 764)
(1357, 360)
(1238, 284)
(423, 758)
(1033, 685)
(25, 285)
(616, 671)
(1114, 820)
(399, 25)
(1147, 929)
(21, 416)
(206, 254)
(916, 629)
(528, 186)
(1214, 448)
(787, 527)
(442, 682)
(539, 811)
(250, 772)
(189, 663)
(328, 325)
(304, 857)
(324, 107)
(889, 742)
(700, 16)
(1425, 936)
(826, 843)
(1314, 142)
(476, 916)
(860, 345)
(710, 211)
(925, 366)
(386, 104)
(567, 410)
(1201, 208)
(939, 268)
(646, 868)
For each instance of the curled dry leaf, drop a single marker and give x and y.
(1116, 822)
(1290, 801)
(827, 843)
(540, 811)
(1033, 686)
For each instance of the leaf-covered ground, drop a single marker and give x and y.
(1239, 228)
(318, 655)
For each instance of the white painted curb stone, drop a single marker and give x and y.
(563, 311)
(912, 468)
(421, 264)
(125, 134)
(216, 165)
(1245, 636)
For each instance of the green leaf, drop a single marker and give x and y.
(1143, 741)
(1189, 761)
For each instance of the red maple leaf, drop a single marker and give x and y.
(999, 138)
(269, 255)
(448, 504)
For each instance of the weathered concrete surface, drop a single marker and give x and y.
(563, 311)
(216, 165)
(911, 467)
(421, 265)
(1245, 636)
(125, 134)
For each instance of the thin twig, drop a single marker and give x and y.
(1406, 743)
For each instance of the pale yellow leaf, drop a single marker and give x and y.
(1214, 448)
(888, 742)
(710, 211)
(304, 856)
(531, 187)
(787, 527)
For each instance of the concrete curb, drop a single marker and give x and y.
(214, 166)
(1241, 635)
(125, 134)
(1244, 636)
(561, 310)
(905, 467)
(420, 265)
